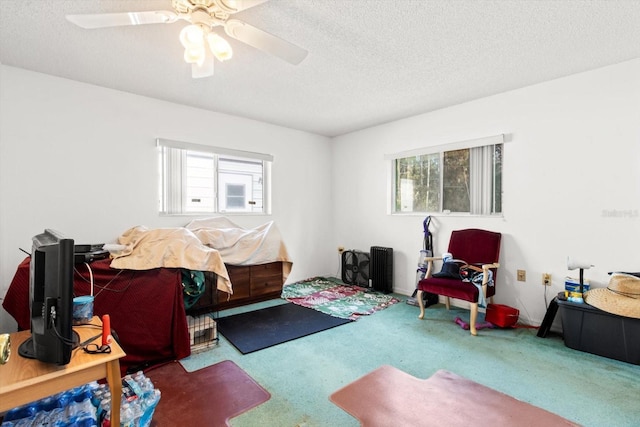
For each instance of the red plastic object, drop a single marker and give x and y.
(107, 339)
(502, 315)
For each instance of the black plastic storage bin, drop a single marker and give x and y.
(589, 329)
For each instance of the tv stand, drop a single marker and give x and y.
(27, 350)
(25, 380)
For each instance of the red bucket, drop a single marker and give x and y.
(502, 315)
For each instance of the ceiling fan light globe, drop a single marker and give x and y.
(195, 55)
(191, 36)
(202, 70)
(220, 48)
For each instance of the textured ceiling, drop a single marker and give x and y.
(369, 62)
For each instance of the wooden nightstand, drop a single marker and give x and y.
(27, 380)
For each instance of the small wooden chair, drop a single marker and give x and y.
(480, 249)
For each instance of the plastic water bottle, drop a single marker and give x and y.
(98, 394)
(106, 422)
(64, 398)
(136, 411)
(86, 411)
(93, 386)
(49, 403)
(147, 389)
(149, 404)
(57, 417)
(104, 413)
(72, 412)
(40, 419)
(140, 379)
(133, 383)
(107, 396)
(126, 416)
(25, 411)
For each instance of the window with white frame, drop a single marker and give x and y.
(196, 179)
(463, 177)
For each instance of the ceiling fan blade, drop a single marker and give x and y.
(234, 6)
(264, 41)
(102, 20)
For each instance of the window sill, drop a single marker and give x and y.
(445, 215)
(207, 214)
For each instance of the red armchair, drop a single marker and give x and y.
(478, 248)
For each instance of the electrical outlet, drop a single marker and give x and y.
(340, 249)
(546, 279)
(522, 276)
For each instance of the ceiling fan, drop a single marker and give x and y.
(203, 16)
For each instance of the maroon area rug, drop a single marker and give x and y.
(391, 397)
(206, 397)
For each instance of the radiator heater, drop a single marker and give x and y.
(381, 269)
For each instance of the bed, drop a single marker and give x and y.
(141, 287)
(146, 308)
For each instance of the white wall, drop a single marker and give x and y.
(574, 157)
(82, 160)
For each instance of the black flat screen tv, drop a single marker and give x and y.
(51, 299)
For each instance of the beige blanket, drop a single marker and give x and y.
(243, 246)
(146, 249)
(203, 245)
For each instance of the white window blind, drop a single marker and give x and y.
(198, 179)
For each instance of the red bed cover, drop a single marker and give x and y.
(146, 308)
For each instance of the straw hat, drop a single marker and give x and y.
(621, 297)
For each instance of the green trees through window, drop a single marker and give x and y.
(462, 181)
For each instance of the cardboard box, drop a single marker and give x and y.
(572, 287)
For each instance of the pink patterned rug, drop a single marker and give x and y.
(332, 297)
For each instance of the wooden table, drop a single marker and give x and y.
(26, 380)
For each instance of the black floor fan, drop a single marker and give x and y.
(355, 268)
(427, 251)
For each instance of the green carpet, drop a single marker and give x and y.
(302, 374)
